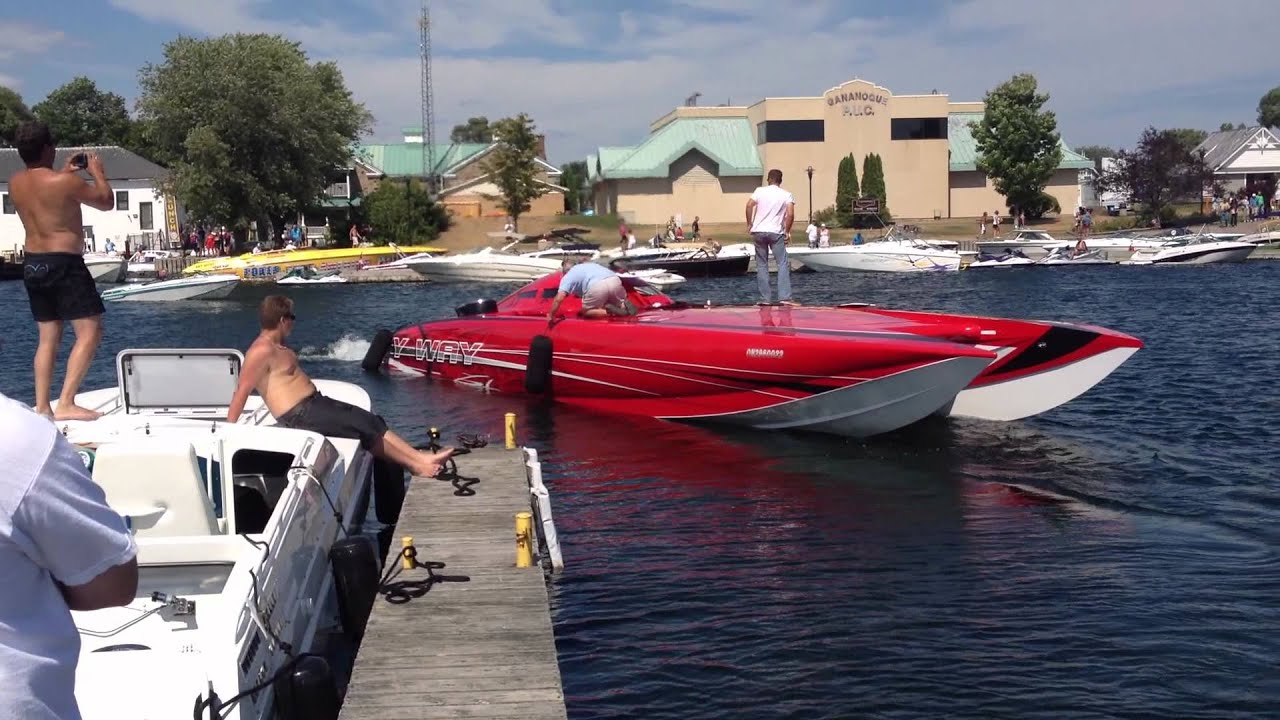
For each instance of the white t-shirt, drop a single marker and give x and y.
(812, 232)
(54, 525)
(771, 207)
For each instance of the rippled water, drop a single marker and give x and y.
(1116, 557)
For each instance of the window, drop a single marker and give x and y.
(122, 199)
(146, 219)
(775, 131)
(918, 129)
(8, 204)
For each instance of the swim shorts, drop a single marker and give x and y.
(334, 418)
(60, 287)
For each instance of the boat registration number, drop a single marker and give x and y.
(262, 271)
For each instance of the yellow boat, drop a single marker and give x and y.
(273, 263)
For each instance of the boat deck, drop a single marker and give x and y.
(479, 647)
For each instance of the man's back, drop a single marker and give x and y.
(48, 204)
(771, 209)
(54, 526)
(580, 276)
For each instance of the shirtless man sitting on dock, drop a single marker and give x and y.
(293, 399)
(58, 283)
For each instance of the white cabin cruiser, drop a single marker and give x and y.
(889, 255)
(246, 542)
(106, 267)
(657, 277)
(1032, 243)
(484, 265)
(1194, 250)
(142, 265)
(187, 287)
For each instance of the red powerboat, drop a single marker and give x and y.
(847, 370)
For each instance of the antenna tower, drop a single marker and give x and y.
(428, 101)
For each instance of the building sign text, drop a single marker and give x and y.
(858, 103)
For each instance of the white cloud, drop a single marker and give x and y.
(1128, 65)
(19, 42)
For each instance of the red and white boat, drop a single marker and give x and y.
(852, 370)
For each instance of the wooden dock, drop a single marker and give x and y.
(479, 643)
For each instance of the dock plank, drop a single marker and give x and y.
(480, 643)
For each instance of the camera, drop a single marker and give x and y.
(80, 160)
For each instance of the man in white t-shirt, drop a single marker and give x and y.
(812, 232)
(61, 549)
(770, 214)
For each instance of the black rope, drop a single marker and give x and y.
(332, 505)
(402, 591)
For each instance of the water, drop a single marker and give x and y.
(1116, 557)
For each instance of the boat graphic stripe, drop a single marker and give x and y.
(1056, 342)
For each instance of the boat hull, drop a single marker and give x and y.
(703, 267)
(107, 270)
(213, 287)
(447, 270)
(269, 265)
(827, 259)
(1236, 253)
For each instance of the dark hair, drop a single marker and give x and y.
(775, 176)
(31, 139)
(273, 309)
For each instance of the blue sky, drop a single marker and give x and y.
(596, 72)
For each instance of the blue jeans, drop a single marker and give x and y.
(778, 243)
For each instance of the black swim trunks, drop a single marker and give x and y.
(334, 418)
(60, 287)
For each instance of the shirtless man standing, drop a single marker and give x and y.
(59, 285)
(293, 399)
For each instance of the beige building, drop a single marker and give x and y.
(706, 161)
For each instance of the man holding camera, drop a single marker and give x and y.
(58, 283)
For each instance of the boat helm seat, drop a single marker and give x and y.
(156, 485)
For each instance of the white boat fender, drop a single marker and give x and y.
(388, 491)
(355, 581)
(309, 692)
(378, 347)
(537, 373)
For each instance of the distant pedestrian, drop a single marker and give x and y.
(811, 232)
(982, 225)
(995, 224)
(770, 213)
(697, 227)
(1086, 223)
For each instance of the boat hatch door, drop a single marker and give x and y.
(178, 381)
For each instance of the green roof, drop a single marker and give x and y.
(964, 149)
(728, 142)
(401, 159)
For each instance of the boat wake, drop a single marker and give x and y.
(347, 348)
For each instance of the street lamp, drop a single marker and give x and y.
(809, 171)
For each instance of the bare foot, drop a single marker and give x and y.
(432, 463)
(72, 411)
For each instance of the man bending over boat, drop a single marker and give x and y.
(59, 285)
(272, 369)
(599, 287)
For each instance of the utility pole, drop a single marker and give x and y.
(428, 102)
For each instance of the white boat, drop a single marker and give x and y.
(241, 530)
(1037, 243)
(1194, 250)
(484, 265)
(142, 265)
(1266, 237)
(1033, 243)
(588, 251)
(307, 275)
(657, 277)
(1011, 257)
(187, 287)
(891, 255)
(1066, 255)
(106, 267)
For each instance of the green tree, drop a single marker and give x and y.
(13, 112)
(1189, 137)
(249, 128)
(873, 187)
(573, 176)
(846, 190)
(1096, 153)
(403, 213)
(512, 165)
(474, 130)
(1228, 127)
(1018, 143)
(1160, 171)
(78, 113)
(1269, 109)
